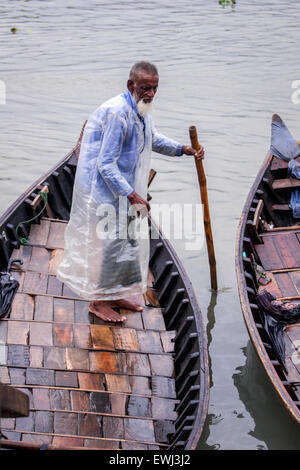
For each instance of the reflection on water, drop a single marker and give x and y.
(256, 392)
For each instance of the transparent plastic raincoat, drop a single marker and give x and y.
(106, 250)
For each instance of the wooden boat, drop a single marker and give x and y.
(143, 384)
(269, 235)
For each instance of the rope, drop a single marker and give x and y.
(25, 240)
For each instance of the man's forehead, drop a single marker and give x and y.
(143, 76)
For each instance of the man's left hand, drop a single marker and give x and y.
(199, 154)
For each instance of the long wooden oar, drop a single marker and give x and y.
(206, 216)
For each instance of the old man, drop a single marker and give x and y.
(105, 262)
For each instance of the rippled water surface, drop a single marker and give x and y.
(225, 71)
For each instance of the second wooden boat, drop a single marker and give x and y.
(143, 384)
(268, 236)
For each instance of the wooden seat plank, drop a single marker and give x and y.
(286, 183)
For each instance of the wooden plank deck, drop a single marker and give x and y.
(90, 384)
(280, 256)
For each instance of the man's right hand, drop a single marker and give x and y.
(141, 205)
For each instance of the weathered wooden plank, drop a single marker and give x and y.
(80, 401)
(113, 427)
(91, 381)
(162, 365)
(102, 444)
(77, 359)
(153, 319)
(100, 402)
(133, 319)
(163, 408)
(24, 254)
(55, 358)
(82, 336)
(17, 332)
(55, 286)
(41, 334)
(102, 337)
(36, 356)
(125, 339)
(18, 355)
(43, 308)
(82, 314)
(137, 364)
(63, 334)
(60, 400)
(56, 235)
(17, 376)
(285, 284)
(64, 310)
(285, 183)
(35, 283)
(56, 257)
(288, 246)
(41, 398)
(66, 379)
(117, 383)
(89, 425)
(149, 341)
(61, 441)
(22, 307)
(39, 377)
(140, 385)
(65, 423)
(268, 255)
(139, 406)
(139, 429)
(39, 260)
(43, 421)
(118, 404)
(39, 233)
(163, 387)
(167, 340)
(151, 297)
(102, 361)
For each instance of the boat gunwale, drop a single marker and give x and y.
(255, 337)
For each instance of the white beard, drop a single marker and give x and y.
(143, 108)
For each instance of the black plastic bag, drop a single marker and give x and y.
(8, 288)
(275, 317)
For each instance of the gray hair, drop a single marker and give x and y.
(142, 66)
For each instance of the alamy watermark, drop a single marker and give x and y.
(295, 96)
(178, 221)
(2, 92)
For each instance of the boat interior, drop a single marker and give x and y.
(272, 240)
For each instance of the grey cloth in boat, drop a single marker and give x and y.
(106, 250)
(295, 203)
(283, 144)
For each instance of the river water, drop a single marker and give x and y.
(224, 70)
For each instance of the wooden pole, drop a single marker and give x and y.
(206, 216)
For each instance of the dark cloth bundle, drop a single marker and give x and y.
(276, 316)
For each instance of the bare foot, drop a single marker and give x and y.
(103, 310)
(127, 304)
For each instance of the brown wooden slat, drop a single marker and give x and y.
(39, 233)
(286, 183)
(56, 235)
(127, 439)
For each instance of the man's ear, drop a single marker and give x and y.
(130, 85)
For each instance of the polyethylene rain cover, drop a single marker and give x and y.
(106, 251)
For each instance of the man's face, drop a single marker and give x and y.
(143, 87)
